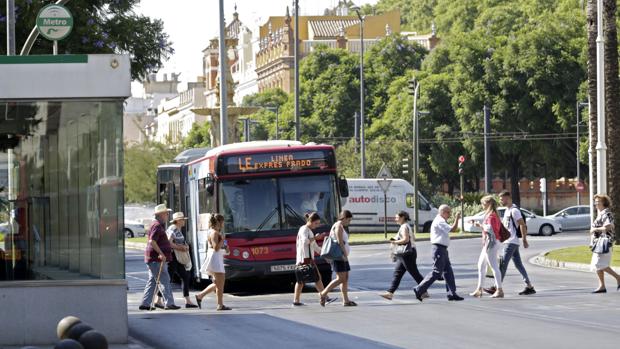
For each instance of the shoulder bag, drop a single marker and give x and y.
(182, 256)
(307, 271)
(331, 250)
(399, 250)
(601, 245)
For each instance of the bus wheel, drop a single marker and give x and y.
(326, 276)
(427, 227)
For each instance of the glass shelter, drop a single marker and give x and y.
(61, 194)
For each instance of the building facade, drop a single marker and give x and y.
(175, 117)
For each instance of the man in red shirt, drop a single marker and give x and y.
(158, 251)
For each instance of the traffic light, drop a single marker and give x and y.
(407, 166)
(412, 84)
(461, 163)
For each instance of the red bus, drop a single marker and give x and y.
(263, 189)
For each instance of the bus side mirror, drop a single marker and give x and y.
(210, 185)
(343, 186)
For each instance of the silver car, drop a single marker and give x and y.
(535, 224)
(573, 218)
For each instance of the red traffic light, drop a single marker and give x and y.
(461, 159)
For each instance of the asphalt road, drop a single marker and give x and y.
(563, 314)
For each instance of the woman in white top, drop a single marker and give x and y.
(306, 247)
(405, 262)
(603, 227)
(341, 267)
(214, 263)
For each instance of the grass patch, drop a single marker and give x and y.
(143, 239)
(580, 254)
(379, 237)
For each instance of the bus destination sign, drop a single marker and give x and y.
(275, 162)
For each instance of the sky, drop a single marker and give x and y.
(192, 23)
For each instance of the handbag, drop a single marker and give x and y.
(331, 249)
(399, 250)
(601, 245)
(307, 271)
(504, 234)
(182, 256)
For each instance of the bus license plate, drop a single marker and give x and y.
(280, 268)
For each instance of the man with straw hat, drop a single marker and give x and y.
(156, 256)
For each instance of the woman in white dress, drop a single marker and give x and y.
(214, 263)
(306, 247)
(603, 227)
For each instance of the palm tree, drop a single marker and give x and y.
(612, 85)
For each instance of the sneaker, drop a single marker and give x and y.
(527, 291)
(387, 295)
(418, 296)
(490, 290)
(190, 306)
(146, 307)
(455, 297)
(172, 307)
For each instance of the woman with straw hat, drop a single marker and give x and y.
(181, 263)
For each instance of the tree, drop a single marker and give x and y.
(388, 59)
(329, 94)
(612, 113)
(140, 165)
(272, 101)
(198, 136)
(99, 26)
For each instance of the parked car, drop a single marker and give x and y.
(133, 229)
(535, 224)
(573, 218)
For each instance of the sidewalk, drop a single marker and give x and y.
(133, 344)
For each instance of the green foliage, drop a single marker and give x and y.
(99, 26)
(140, 166)
(272, 101)
(198, 136)
(469, 208)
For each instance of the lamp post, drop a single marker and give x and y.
(601, 147)
(296, 49)
(10, 27)
(414, 88)
(222, 77)
(362, 119)
(579, 106)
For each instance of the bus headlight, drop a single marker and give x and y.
(245, 254)
(236, 252)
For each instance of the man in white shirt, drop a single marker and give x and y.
(515, 224)
(440, 238)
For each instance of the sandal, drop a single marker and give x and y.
(223, 307)
(350, 304)
(323, 300)
(198, 302)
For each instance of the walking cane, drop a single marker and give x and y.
(161, 266)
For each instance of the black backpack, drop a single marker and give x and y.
(518, 227)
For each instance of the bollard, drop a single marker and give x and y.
(77, 330)
(93, 340)
(65, 325)
(68, 344)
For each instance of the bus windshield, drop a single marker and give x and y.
(268, 204)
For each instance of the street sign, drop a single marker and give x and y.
(384, 172)
(54, 22)
(580, 187)
(384, 184)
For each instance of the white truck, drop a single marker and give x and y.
(365, 201)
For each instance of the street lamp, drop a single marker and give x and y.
(579, 106)
(414, 87)
(362, 137)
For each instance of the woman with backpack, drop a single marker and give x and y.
(490, 247)
(405, 255)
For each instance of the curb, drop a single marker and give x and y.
(543, 261)
(135, 245)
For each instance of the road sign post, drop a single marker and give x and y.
(54, 22)
(462, 182)
(543, 191)
(384, 183)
